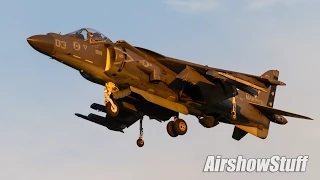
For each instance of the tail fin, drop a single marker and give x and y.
(264, 98)
(264, 103)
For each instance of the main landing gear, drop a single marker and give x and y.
(112, 107)
(233, 114)
(140, 141)
(174, 128)
(177, 127)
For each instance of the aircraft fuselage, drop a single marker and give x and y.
(141, 82)
(91, 60)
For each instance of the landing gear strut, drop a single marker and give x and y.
(140, 141)
(233, 114)
(112, 107)
(177, 127)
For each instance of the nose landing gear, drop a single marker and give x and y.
(112, 107)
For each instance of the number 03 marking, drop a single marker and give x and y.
(60, 44)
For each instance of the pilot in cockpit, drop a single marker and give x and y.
(97, 36)
(92, 37)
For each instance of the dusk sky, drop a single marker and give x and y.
(41, 138)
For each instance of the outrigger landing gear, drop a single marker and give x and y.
(112, 107)
(177, 127)
(233, 114)
(140, 141)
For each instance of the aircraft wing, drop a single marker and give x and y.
(251, 84)
(125, 120)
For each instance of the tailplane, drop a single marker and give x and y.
(264, 103)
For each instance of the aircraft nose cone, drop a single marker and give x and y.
(42, 43)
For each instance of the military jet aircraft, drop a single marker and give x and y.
(139, 82)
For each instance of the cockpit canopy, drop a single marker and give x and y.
(90, 35)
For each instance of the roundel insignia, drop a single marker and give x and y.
(76, 46)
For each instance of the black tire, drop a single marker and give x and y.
(113, 112)
(170, 129)
(140, 142)
(180, 127)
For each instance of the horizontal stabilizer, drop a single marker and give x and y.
(238, 133)
(270, 110)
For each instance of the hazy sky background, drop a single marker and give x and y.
(41, 138)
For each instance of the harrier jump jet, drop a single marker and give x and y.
(139, 82)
